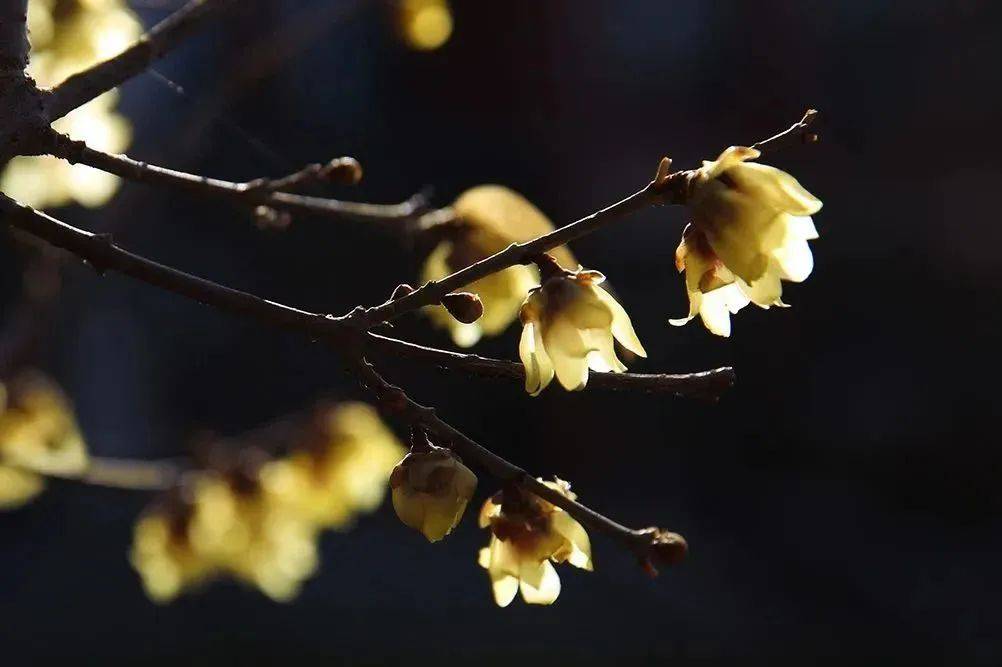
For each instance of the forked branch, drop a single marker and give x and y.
(84, 86)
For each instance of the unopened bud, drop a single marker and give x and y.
(666, 548)
(400, 291)
(464, 306)
(344, 171)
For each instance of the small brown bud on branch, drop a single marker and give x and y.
(464, 306)
(344, 171)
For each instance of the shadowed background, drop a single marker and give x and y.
(841, 503)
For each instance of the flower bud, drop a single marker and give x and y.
(464, 306)
(344, 171)
(431, 490)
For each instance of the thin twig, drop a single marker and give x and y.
(707, 385)
(259, 192)
(84, 86)
(651, 545)
(131, 473)
(99, 251)
(664, 189)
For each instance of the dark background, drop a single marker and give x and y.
(841, 503)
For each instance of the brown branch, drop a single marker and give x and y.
(129, 473)
(259, 192)
(13, 37)
(798, 132)
(84, 86)
(651, 545)
(707, 385)
(99, 251)
(664, 189)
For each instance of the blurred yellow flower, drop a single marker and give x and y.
(490, 218)
(750, 228)
(430, 491)
(342, 471)
(569, 324)
(223, 524)
(68, 36)
(38, 436)
(527, 533)
(425, 24)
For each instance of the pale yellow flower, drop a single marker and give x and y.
(424, 24)
(39, 436)
(68, 36)
(38, 430)
(18, 487)
(569, 324)
(341, 472)
(490, 218)
(430, 491)
(750, 228)
(221, 524)
(527, 533)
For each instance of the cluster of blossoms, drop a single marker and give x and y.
(68, 36)
(257, 518)
(39, 436)
(749, 232)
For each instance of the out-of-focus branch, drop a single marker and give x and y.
(707, 385)
(131, 474)
(652, 546)
(251, 194)
(84, 86)
(666, 188)
(99, 251)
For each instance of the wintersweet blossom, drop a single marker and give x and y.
(341, 470)
(750, 228)
(223, 524)
(488, 218)
(528, 535)
(569, 324)
(39, 436)
(430, 491)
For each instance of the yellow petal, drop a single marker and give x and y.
(622, 327)
(546, 590)
(775, 188)
(504, 587)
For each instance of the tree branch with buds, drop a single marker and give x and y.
(24, 130)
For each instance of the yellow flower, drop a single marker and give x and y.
(38, 436)
(430, 491)
(527, 533)
(219, 524)
(569, 324)
(490, 218)
(425, 24)
(164, 556)
(750, 228)
(68, 36)
(18, 487)
(343, 469)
